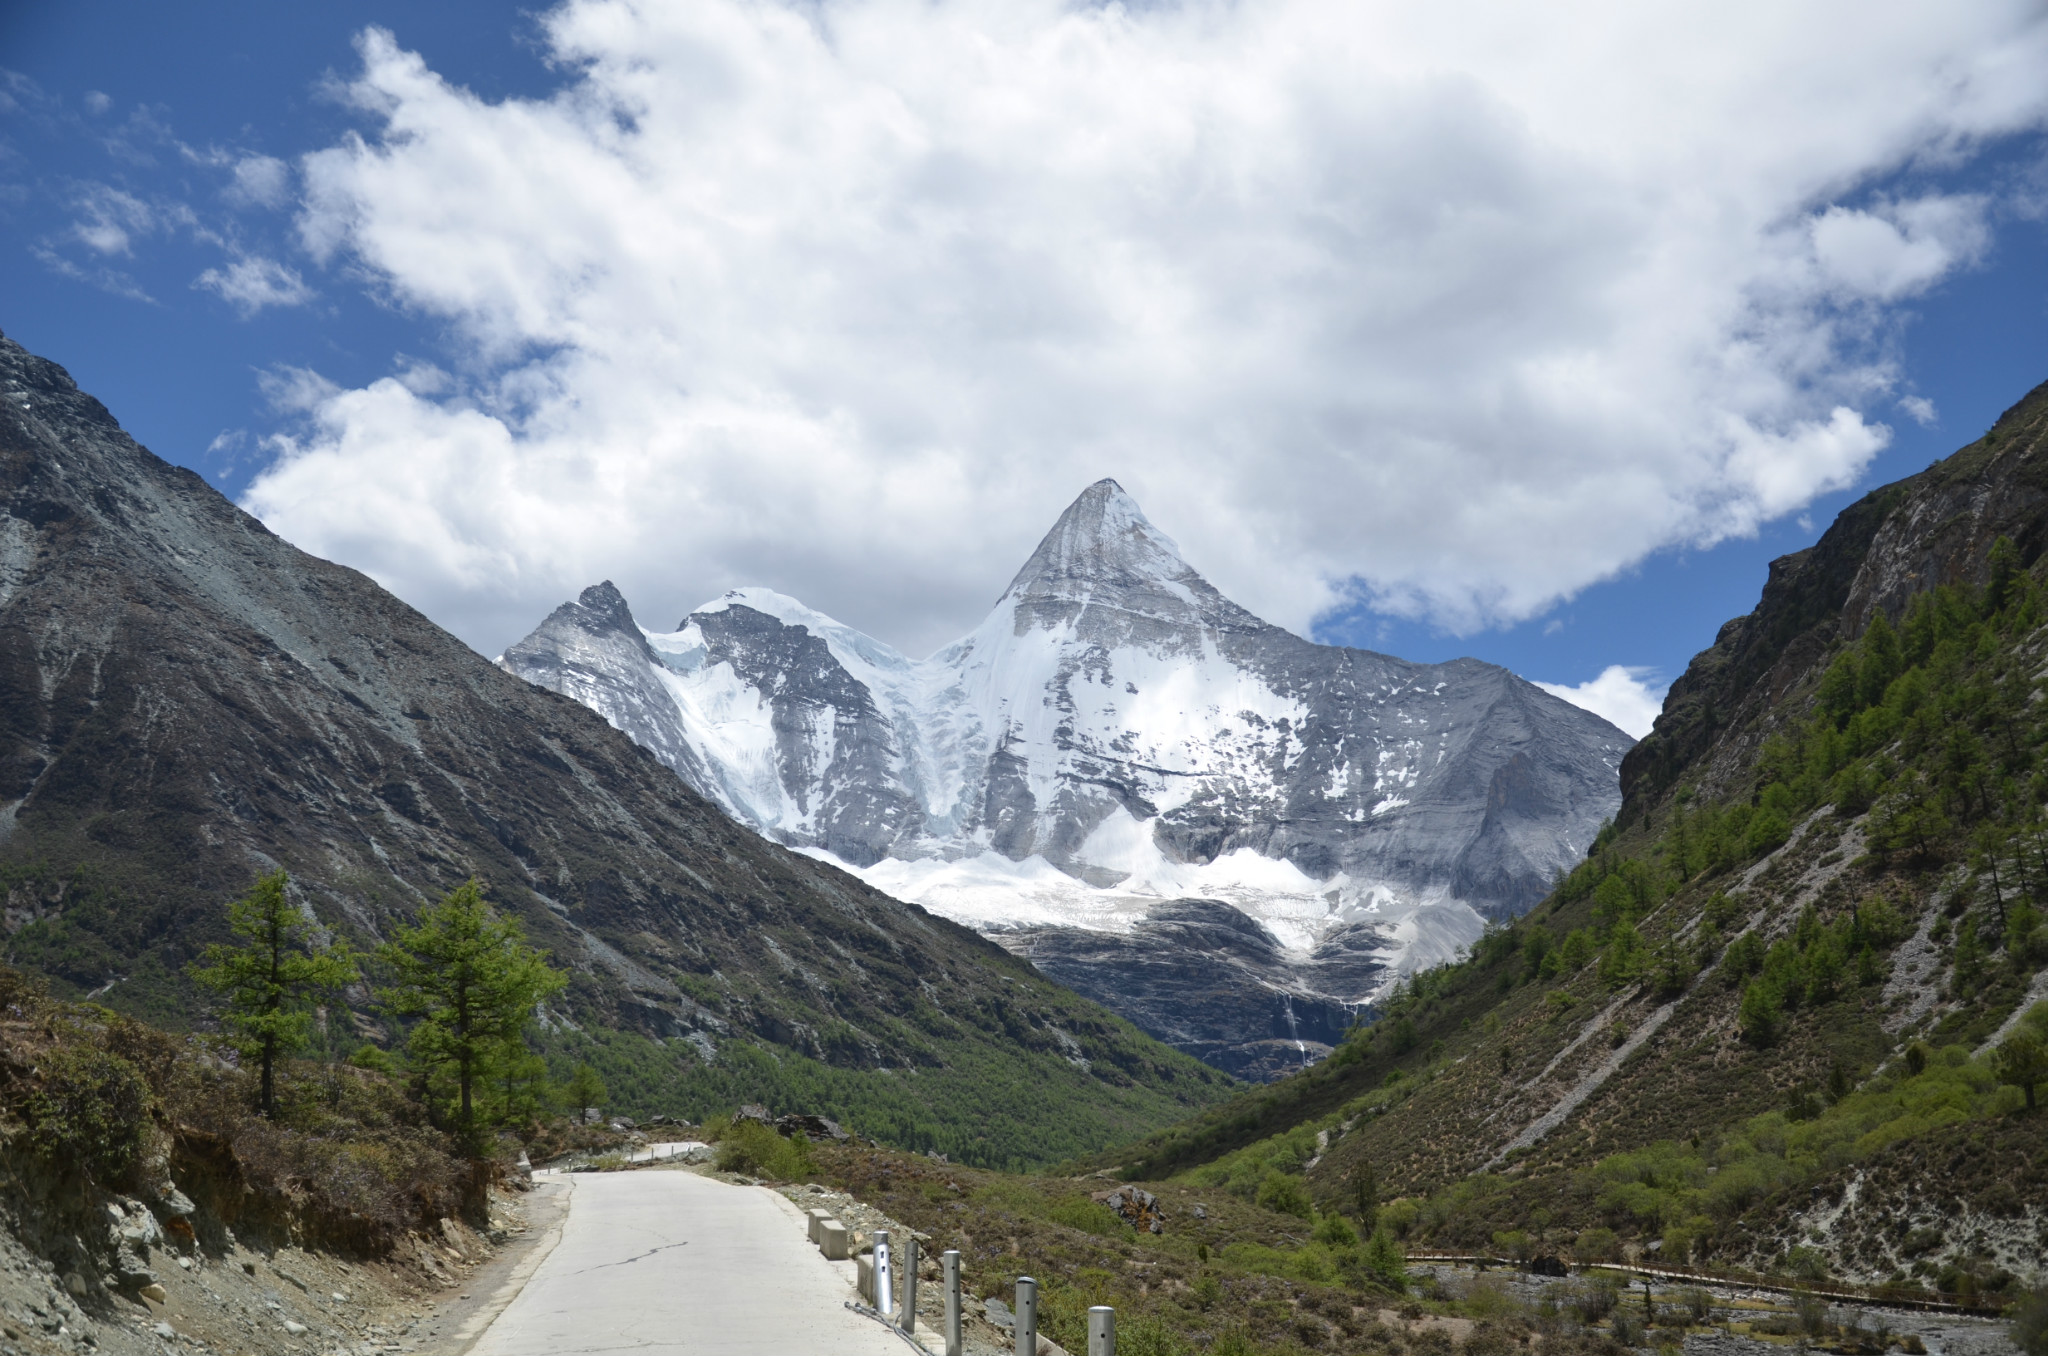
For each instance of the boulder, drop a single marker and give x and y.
(811, 1127)
(754, 1111)
(1139, 1209)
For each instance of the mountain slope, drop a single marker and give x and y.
(186, 700)
(1117, 735)
(1762, 1023)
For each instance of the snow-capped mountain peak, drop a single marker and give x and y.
(1114, 736)
(1102, 542)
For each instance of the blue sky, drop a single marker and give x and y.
(1399, 336)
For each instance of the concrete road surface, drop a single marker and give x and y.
(665, 1263)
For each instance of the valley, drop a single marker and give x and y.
(1761, 1066)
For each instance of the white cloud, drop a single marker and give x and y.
(1901, 250)
(253, 282)
(109, 219)
(260, 181)
(1453, 308)
(1920, 409)
(1620, 695)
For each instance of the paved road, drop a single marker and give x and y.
(663, 1263)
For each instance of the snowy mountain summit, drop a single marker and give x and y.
(1115, 743)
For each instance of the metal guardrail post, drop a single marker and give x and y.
(950, 1260)
(1027, 1316)
(885, 1288)
(909, 1321)
(1101, 1331)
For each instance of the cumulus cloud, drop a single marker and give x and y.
(1450, 309)
(1621, 695)
(1902, 249)
(253, 282)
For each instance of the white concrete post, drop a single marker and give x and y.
(909, 1318)
(885, 1287)
(1102, 1331)
(1027, 1316)
(950, 1259)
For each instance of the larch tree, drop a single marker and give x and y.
(470, 984)
(270, 977)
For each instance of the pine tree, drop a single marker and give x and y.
(472, 984)
(1385, 1260)
(270, 979)
(585, 1089)
(2023, 1062)
(1365, 1197)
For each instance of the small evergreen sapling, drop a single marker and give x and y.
(270, 978)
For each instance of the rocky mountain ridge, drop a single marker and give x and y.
(1114, 737)
(187, 701)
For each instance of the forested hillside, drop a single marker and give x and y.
(1789, 1012)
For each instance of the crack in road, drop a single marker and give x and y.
(628, 1261)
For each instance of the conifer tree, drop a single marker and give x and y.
(2023, 1062)
(270, 978)
(471, 983)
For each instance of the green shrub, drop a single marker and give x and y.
(2030, 1324)
(1089, 1216)
(1286, 1194)
(1335, 1231)
(1596, 1245)
(92, 1112)
(1386, 1261)
(753, 1150)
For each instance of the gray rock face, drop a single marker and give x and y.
(1206, 978)
(1116, 735)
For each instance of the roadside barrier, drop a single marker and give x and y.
(1026, 1328)
(884, 1298)
(1885, 1296)
(910, 1284)
(1102, 1331)
(874, 1280)
(949, 1260)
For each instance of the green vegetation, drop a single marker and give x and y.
(1235, 1277)
(347, 1159)
(270, 979)
(2022, 1059)
(979, 1104)
(1776, 1071)
(1684, 1191)
(754, 1149)
(471, 984)
(91, 1111)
